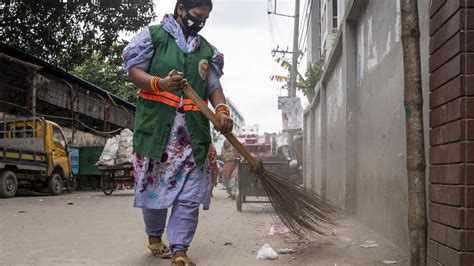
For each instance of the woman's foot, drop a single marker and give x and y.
(181, 259)
(158, 248)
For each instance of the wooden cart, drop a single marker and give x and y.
(113, 174)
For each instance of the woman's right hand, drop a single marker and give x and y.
(172, 83)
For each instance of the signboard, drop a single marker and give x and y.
(291, 112)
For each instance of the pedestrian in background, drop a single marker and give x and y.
(228, 156)
(171, 139)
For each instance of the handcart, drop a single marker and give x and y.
(110, 175)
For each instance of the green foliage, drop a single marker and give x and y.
(108, 75)
(65, 33)
(313, 74)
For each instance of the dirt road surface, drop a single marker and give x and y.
(90, 228)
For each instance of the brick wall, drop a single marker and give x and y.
(451, 181)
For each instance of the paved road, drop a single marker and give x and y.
(89, 228)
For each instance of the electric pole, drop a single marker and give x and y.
(294, 61)
(294, 71)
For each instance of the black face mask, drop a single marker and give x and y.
(193, 25)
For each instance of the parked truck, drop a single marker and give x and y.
(33, 152)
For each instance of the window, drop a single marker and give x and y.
(58, 137)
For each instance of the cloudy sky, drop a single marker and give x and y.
(242, 30)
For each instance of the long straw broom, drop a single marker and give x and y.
(298, 208)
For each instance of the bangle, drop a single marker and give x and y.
(154, 83)
(222, 112)
(222, 108)
(221, 104)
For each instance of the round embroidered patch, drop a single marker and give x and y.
(203, 68)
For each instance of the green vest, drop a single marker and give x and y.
(154, 119)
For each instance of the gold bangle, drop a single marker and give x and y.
(223, 111)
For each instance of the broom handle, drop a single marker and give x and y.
(189, 91)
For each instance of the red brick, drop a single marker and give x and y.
(447, 174)
(469, 196)
(433, 211)
(468, 64)
(459, 108)
(451, 216)
(454, 131)
(470, 130)
(470, 152)
(469, 259)
(467, 24)
(447, 30)
(455, 239)
(448, 153)
(432, 249)
(447, 72)
(435, 6)
(437, 232)
(470, 174)
(451, 195)
(443, 15)
(445, 52)
(449, 256)
(469, 241)
(469, 219)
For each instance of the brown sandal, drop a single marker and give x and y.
(184, 259)
(160, 250)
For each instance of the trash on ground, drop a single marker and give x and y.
(228, 244)
(335, 233)
(41, 200)
(369, 244)
(22, 212)
(266, 252)
(258, 208)
(275, 227)
(285, 251)
(389, 262)
(70, 203)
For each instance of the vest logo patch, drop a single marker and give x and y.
(203, 68)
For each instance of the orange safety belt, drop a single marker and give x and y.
(169, 99)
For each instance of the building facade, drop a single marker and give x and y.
(354, 127)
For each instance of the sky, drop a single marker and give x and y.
(244, 32)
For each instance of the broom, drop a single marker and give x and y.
(298, 208)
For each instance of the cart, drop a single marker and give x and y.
(249, 185)
(110, 175)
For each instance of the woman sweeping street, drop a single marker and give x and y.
(172, 137)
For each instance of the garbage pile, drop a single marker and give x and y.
(118, 149)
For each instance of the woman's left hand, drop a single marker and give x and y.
(226, 123)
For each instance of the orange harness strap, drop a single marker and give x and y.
(169, 99)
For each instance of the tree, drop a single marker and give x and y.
(65, 33)
(416, 165)
(107, 74)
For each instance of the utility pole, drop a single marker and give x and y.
(294, 70)
(294, 61)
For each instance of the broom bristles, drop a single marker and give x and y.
(299, 209)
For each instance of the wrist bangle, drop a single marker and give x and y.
(154, 83)
(221, 104)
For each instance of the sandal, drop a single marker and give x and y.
(160, 250)
(184, 259)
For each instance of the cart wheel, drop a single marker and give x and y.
(8, 184)
(238, 201)
(107, 183)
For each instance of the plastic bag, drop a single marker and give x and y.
(267, 252)
(109, 154)
(125, 147)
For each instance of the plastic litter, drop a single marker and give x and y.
(266, 252)
(276, 227)
(109, 154)
(344, 239)
(285, 251)
(125, 147)
(389, 262)
(369, 244)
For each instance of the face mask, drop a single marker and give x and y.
(193, 25)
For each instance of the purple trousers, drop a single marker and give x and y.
(181, 225)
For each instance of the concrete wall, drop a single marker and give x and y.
(359, 111)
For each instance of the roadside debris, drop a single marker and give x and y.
(285, 251)
(389, 262)
(267, 253)
(228, 244)
(22, 212)
(70, 203)
(344, 239)
(369, 244)
(275, 227)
